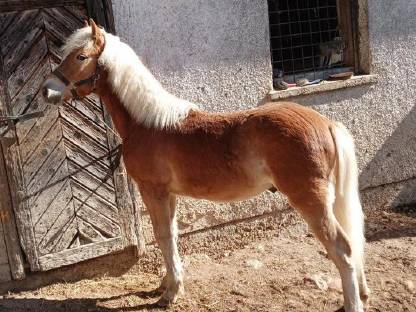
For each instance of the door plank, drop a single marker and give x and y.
(6, 20)
(42, 180)
(28, 138)
(44, 198)
(67, 236)
(78, 160)
(90, 112)
(42, 159)
(63, 20)
(21, 207)
(78, 12)
(59, 212)
(81, 126)
(94, 200)
(17, 43)
(105, 225)
(58, 229)
(91, 182)
(3, 250)
(81, 253)
(89, 233)
(84, 142)
(95, 185)
(5, 273)
(23, 74)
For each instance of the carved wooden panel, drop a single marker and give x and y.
(65, 212)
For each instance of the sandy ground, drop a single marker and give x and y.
(285, 272)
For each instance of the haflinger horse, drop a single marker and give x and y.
(172, 148)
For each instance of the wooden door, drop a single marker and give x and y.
(65, 213)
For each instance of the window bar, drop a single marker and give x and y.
(301, 34)
(313, 54)
(291, 41)
(320, 37)
(280, 39)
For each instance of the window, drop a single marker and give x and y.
(311, 39)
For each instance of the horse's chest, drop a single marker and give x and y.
(145, 165)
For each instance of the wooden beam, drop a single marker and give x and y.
(363, 41)
(102, 13)
(3, 249)
(346, 30)
(4, 273)
(134, 193)
(12, 165)
(75, 255)
(21, 5)
(7, 217)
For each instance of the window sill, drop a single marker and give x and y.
(323, 87)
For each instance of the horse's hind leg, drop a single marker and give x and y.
(362, 282)
(318, 214)
(162, 209)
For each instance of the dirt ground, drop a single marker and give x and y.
(284, 272)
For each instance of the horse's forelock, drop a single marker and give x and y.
(78, 39)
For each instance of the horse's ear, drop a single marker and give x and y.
(97, 35)
(95, 29)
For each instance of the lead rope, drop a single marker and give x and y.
(114, 156)
(114, 164)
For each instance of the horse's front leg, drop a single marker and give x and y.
(162, 208)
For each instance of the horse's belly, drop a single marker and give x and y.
(237, 194)
(224, 194)
(224, 186)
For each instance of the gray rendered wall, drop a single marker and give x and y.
(382, 117)
(216, 53)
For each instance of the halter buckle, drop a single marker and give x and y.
(93, 78)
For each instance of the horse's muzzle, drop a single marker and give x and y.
(52, 90)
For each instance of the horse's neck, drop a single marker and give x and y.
(119, 115)
(152, 108)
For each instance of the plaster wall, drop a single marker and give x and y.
(216, 53)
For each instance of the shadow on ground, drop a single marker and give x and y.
(395, 223)
(103, 266)
(77, 305)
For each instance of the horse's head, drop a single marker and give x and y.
(78, 73)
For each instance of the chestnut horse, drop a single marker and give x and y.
(172, 148)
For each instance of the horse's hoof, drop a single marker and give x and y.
(159, 291)
(164, 302)
(365, 297)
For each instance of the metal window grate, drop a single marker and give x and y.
(305, 39)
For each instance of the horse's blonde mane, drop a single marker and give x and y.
(137, 89)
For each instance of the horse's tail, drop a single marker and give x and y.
(347, 206)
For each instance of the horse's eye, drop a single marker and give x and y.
(82, 57)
